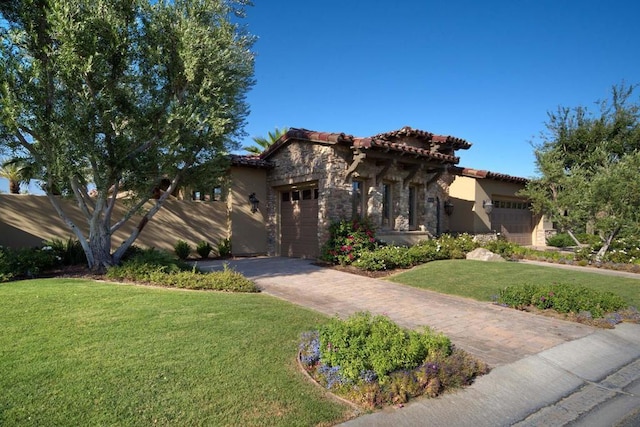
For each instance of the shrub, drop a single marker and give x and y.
(373, 362)
(374, 343)
(563, 298)
(384, 258)
(560, 240)
(224, 248)
(204, 249)
(26, 262)
(175, 274)
(182, 249)
(455, 247)
(69, 252)
(347, 240)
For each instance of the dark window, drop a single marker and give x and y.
(306, 194)
(386, 205)
(358, 199)
(285, 196)
(412, 207)
(295, 195)
(315, 193)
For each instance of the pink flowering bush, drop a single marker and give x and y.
(348, 239)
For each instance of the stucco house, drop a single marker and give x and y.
(406, 182)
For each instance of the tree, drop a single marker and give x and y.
(264, 143)
(590, 168)
(12, 173)
(122, 95)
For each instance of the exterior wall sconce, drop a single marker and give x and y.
(448, 207)
(254, 202)
(488, 206)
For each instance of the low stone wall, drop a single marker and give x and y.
(403, 238)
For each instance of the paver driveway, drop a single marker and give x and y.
(495, 334)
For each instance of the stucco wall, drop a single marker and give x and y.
(248, 231)
(28, 220)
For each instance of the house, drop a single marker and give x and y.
(282, 202)
(486, 202)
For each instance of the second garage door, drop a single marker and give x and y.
(514, 220)
(299, 223)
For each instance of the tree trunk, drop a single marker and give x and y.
(573, 237)
(100, 246)
(14, 186)
(605, 245)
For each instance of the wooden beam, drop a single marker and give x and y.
(388, 163)
(358, 157)
(412, 172)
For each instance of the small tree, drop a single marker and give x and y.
(124, 95)
(589, 171)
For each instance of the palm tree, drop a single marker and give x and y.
(264, 143)
(13, 174)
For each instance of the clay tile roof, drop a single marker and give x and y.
(407, 131)
(387, 141)
(307, 135)
(403, 148)
(248, 160)
(476, 173)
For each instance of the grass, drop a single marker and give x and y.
(481, 280)
(78, 352)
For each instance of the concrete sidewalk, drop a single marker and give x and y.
(538, 362)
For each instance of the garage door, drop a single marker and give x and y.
(299, 223)
(514, 220)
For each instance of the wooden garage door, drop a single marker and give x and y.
(299, 223)
(514, 220)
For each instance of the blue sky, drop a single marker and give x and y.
(487, 71)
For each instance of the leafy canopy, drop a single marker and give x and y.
(122, 95)
(589, 167)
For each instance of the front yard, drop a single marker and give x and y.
(482, 280)
(78, 352)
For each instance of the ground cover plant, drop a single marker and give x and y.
(373, 362)
(79, 352)
(158, 268)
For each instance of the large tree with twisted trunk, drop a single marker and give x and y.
(120, 96)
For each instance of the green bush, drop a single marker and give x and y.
(347, 240)
(373, 362)
(374, 343)
(182, 249)
(384, 258)
(563, 298)
(69, 252)
(224, 248)
(26, 262)
(560, 240)
(455, 247)
(153, 268)
(204, 249)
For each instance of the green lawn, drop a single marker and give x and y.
(76, 352)
(480, 280)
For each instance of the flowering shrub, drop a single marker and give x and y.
(347, 240)
(562, 298)
(372, 361)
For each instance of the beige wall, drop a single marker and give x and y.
(248, 229)
(27, 220)
(467, 195)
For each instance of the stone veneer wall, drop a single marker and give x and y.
(305, 162)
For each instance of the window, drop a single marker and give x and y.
(217, 194)
(295, 195)
(386, 205)
(306, 194)
(413, 202)
(358, 199)
(286, 196)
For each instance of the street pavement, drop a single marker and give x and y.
(545, 371)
